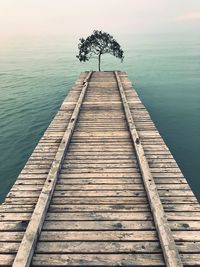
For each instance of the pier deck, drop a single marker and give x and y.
(101, 188)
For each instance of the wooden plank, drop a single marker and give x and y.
(111, 180)
(99, 225)
(104, 193)
(26, 249)
(98, 259)
(87, 247)
(103, 235)
(98, 247)
(82, 207)
(84, 200)
(116, 225)
(99, 235)
(170, 251)
(98, 216)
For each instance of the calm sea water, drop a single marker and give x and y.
(36, 74)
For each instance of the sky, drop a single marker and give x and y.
(76, 17)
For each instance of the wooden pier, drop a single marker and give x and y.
(101, 188)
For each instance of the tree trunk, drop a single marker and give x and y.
(99, 62)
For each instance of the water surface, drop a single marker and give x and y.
(36, 74)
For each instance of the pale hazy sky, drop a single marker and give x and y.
(80, 17)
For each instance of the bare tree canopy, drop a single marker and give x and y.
(99, 43)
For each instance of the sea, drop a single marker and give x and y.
(37, 72)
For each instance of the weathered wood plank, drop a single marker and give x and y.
(98, 259)
(99, 235)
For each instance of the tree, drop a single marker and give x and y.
(99, 43)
